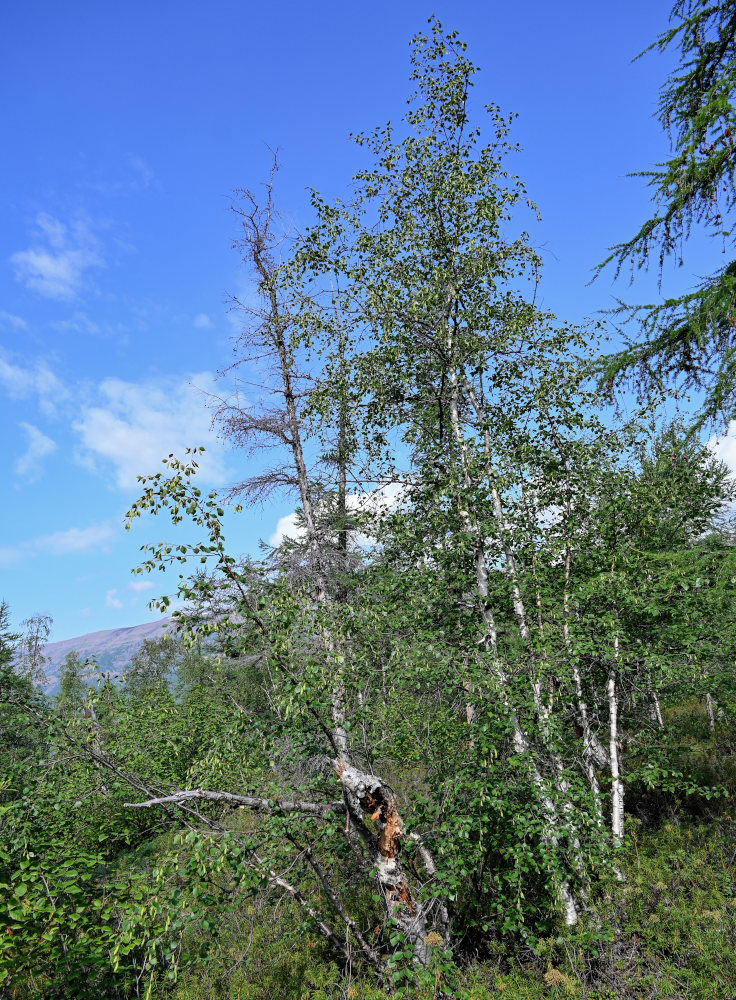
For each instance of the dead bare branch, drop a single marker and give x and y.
(254, 802)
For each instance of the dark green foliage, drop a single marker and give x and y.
(688, 340)
(8, 639)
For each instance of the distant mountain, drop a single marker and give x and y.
(112, 649)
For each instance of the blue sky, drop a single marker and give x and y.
(127, 127)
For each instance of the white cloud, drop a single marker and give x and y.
(286, 528)
(127, 426)
(60, 543)
(112, 600)
(202, 321)
(8, 319)
(140, 586)
(56, 264)
(378, 501)
(136, 425)
(28, 465)
(20, 383)
(724, 448)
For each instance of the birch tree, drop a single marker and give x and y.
(473, 377)
(308, 663)
(469, 372)
(441, 746)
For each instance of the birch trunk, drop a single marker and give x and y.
(657, 710)
(593, 751)
(543, 711)
(552, 826)
(711, 713)
(522, 619)
(617, 788)
(376, 801)
(365, 794)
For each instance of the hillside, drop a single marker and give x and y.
(110, 648)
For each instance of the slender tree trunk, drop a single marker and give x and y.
(552, 826)
(710, 711)
(593, 751)
(617, 788)
(365, 794)
(522, 619)
(375, 800)
(656, 708)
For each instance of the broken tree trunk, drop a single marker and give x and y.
(404, 910)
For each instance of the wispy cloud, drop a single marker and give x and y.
(135, 425)
(112, 600)
(28, 466)
(130, 176)
(11, 555)
(23, 382)
(124, 428)
(8, 319)
(56, 263)
(79, 323)
(140, 586)
(202, 321)
(141, 170)
(60, 543)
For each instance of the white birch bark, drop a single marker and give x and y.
(617, 788)
(656, 709)
(522, 618)
(552, 828)
(375, 800)
(593, 752)
(710, 712)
